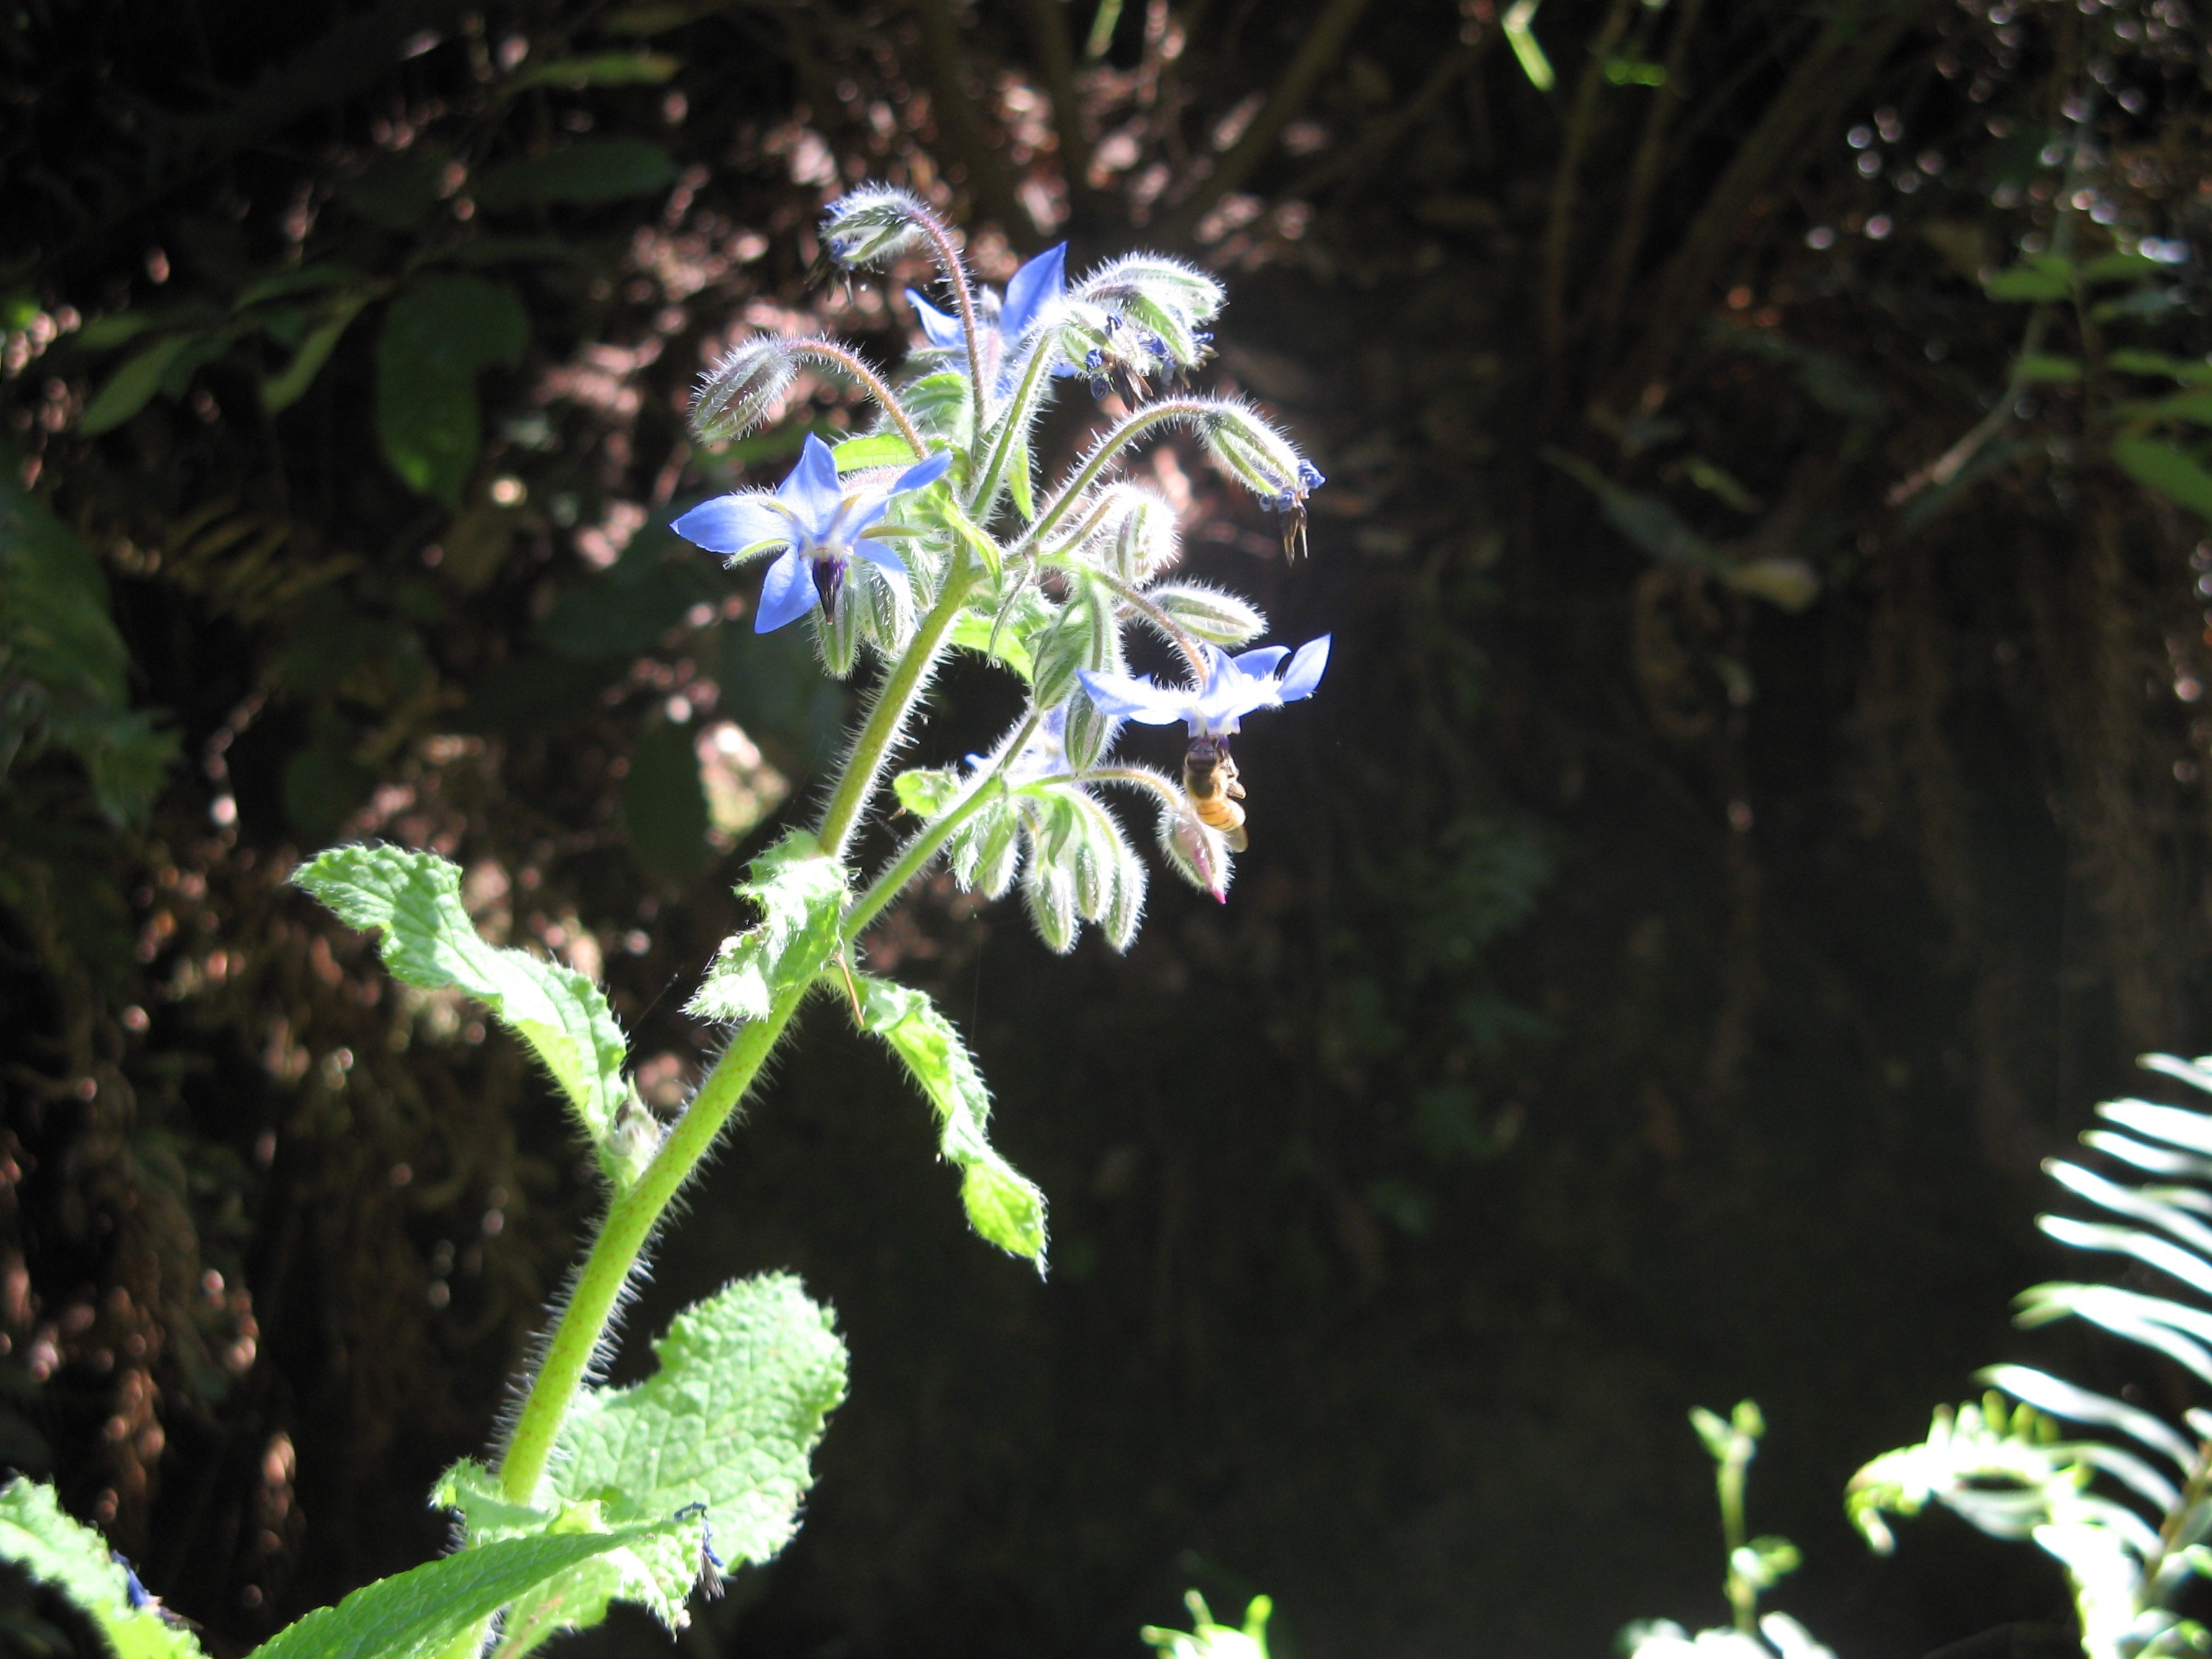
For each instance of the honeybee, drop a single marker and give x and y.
(1209, 778)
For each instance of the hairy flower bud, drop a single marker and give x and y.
(1049, 891)
(737, 394)
(1207, 613)
(1262, 460)
(871, 225)
(1164, 303)
(1139, 534)
(1253, 453)
(1195, 853)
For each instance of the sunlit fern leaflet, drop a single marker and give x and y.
(2132, 1542)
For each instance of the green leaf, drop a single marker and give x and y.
(61, 647)
(2193, 407)
(2041, 367)
(414, 1614)
(747, 1380)
(801, 895)
(2190, 371)
(308, 279)
(2121, 267)
(2044, 276)
(611, 69)
(657, 1573)
(132, 387)
(877, 449)
(414, 899)
(281, 391)
(594, 170)
(49, 1546)
(927, 791)
(1007, 1209)
(1644, 519)
(2177, 476)
(719, 1438)
(439, 335)
(986, 638)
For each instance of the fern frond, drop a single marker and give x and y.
(2129, 1551)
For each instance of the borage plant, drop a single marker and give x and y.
(928, 532)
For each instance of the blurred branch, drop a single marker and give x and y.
(1643, 177)
(1047, 27)
(1849, 53)
(958, 123)
(1582, 122)
(1385, 132)
(1324, 47)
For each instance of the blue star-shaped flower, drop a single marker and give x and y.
(821, 521)
(1003, 322)
(1234, 686)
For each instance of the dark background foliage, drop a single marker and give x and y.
(1754, 810)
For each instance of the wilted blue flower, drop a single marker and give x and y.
(823, 522)
(1234, 686)
(1003, 322)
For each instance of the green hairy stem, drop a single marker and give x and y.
(621, 1239)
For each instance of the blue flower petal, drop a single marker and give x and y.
(1261, 663)
(812, 491)
(786, 594)
(1304, 672)
(1124, 698)
(941, 329)
(880, 556)
(731, 524)
(924, 473)
(1034, 286)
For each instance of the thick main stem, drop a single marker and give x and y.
(927, 842)
(631, 1221)
(887, 718)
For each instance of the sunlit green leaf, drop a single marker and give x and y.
(986, 637)
(1003, 1207)
(877, 449)
(927, 791)
(414, 900)
(745, 1384)
(52, 1548)
(413, 1615)
(800, 892)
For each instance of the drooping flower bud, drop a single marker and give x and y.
(1139, 536)
(1195, 853)
(1261, 459)
(1166, 303)
(871, 225)
(1208, 613)
(738, 392)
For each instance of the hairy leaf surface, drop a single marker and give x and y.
(1002, 1204)
(48, 1545)
(414, 900)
